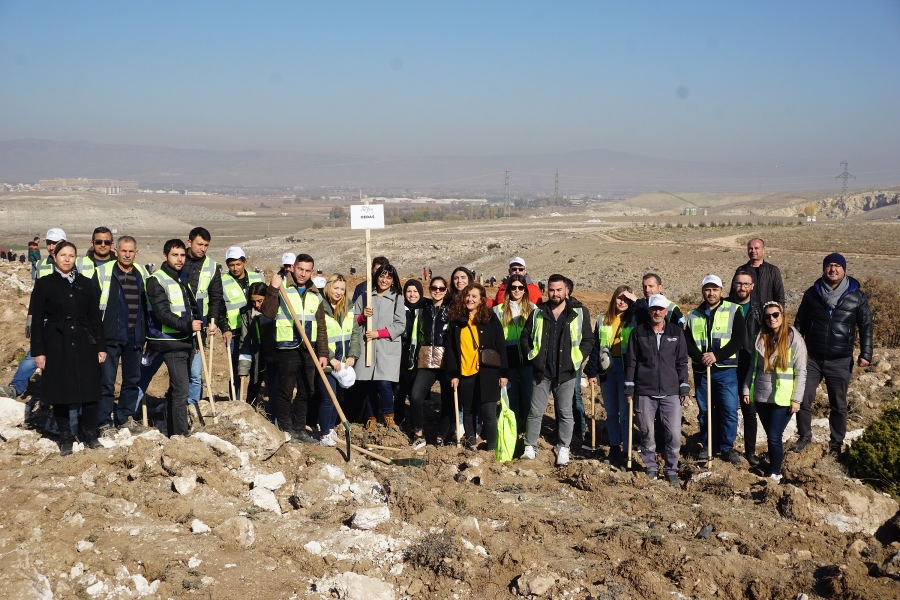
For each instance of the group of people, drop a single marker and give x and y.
(89, 314)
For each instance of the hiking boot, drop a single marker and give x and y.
(106, 431)
(8, 391)
(652, 475)
(734, 457)
(752, 459)
(673, 481)
(562, 456)
(133, 426)
(301, 436)
(472, 443)
(372, 424)
(66, 441)
(90, 439)
(836, 452)
(389, 422)
(529, 453)
(615, 455)
(703, 454)
(801, 444)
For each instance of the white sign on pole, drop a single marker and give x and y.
(366, 216)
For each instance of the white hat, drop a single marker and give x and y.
(235, 252)
(713, 279)
(320, 282)
(288, 258)
(659, 300)
(346, 377)
(517, 260)
(605, 359)
(55, 235)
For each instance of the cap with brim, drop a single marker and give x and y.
(517, 260)
(320, 282)
(658, 301)
(55, 235)
(288, 258)
(346, 377)
(235, 252)
(711, 279)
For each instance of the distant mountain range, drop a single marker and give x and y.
(598, 171)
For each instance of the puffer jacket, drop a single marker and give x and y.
(432, 332)
(831, 334)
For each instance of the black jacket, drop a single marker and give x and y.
(162, 312)
(831, 334)
(216, 298)
(566, 368)
(490, 335)
(752, 323)
(768, 284)
(652, 371)
(115, 318)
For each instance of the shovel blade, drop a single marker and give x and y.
(347, 437)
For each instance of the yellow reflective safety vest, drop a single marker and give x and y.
(207, 271)
(305, 306)
(512, 331)
(606, 335)
(719, 335)
(104, 276)
(86, 266)
(339, 334)
(784, 380)
(235, 298)
(45, 267)
(176, 304)
(575, 326)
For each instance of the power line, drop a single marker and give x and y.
(506, 208)
(556, 190)
(845, 176)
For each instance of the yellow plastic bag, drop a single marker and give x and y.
(506, 429)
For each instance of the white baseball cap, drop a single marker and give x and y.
(517, 260)
(713, 279)
(346, 377)
(659, 300)
(55, 235)
(288, 258)
(320, 282)
(235, 252)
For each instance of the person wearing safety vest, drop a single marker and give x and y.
(714, 335)
(121, 287)
(99, 254)
(173, 319)
(607, 365)
(202, 278)
(556, 340)
(235, 291)
(776, 381)
(513, 313)
(743, 295)
(295, 365)
(651, 284)
(27, 366)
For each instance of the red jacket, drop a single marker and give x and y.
(534, 294)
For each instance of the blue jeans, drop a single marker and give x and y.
(774, 419)
(327, 412)
(195, 389)
(384, 392)
(131, 375)
(724, 409)
(520, 384)
(615, 403)
(33, 271)
(24, 372)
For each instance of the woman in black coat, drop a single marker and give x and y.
(475, 328)
(68, 345)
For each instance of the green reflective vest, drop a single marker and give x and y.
(719, 335)
(45, 267)
(104, 276)
(784, 380)
(606, 335)
(339, 335)
(176, 305)
(575, 326)
(305, 306)
(85, 266)
(235, 298)
(207, 272)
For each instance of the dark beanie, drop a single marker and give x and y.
(835, 258)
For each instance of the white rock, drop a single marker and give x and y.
(272, 481)
(198, 526)
(335, 474)
(265, 499)
(194, 562)
(83, 545)
(535, 583)
(237, 529)
(480, 550)
(142, 587)
(224, 449)
(726, 535)
(352, 586)
(370, 518)
(313, 547)
(12, 413)
(95, 589)
(185, 485)
(77, 570)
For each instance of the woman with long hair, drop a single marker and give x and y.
(336, 321)
(427, 350)
(513, 312)
(459, 279)
(389, 322)
(476, 362)
(612, 331)
(68, 345)
(413, 299)
(776, 379)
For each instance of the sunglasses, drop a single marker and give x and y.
(517, 287)
(516, 269)
(102, 242)
(773, 315)
(437, 288)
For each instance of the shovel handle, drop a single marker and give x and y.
(708, 416)
(377, 457)
(630, 427)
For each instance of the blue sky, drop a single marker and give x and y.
(708, 81)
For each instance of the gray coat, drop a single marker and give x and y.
(390, 314)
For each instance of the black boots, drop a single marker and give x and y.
(90, 439)
(66, 439)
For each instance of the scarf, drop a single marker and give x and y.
(70, 277)
(831, 296)
(412, 306)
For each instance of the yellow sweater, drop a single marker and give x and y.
(468, 349)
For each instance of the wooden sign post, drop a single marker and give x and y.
(368, 217)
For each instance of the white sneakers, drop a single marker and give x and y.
(562, 456)
(529, 453)
(776, 478)
(328, 439)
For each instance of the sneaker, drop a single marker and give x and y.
(8, 391)
(107, 431)
(529, 453)
(133, 426)
(801, 444)
(327, 441)
(652, 475)
(752, 459)
(334, 435)
(418, 443)
(703, 454)
(302, 437)
(562, 456)
(775, 478)
(734, 457)
(673, 481)
(836, 452)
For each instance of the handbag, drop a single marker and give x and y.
(487, 357)
(506, 429)
(430, 357)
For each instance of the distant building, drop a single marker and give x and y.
(107, 186)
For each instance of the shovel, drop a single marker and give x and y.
(209, 393)
(400, 462)
(593, 446)
(630, 421)
(456, 417)
(299, 327)
(708, 417)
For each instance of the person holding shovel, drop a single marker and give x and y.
(656, 371)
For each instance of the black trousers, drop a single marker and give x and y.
(404, 391)
(469, 391)
(178, 362)
(836, 373)
(421, 388)
(295, 370)
(748, 411)
(88, 419)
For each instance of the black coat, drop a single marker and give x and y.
(68, 332)
(162, 312)
(652, 371)
(490, 335)
(830, 335)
